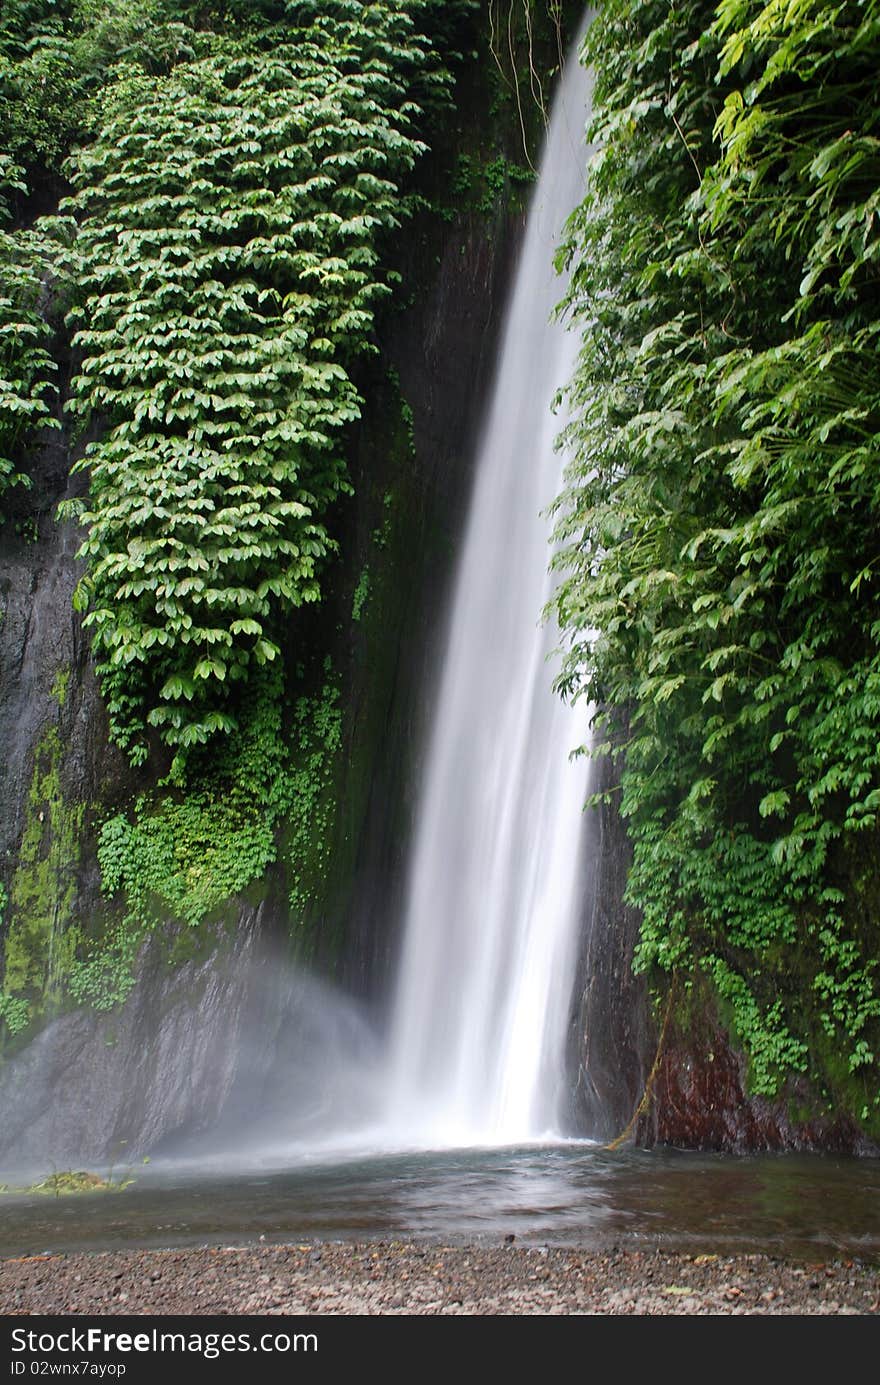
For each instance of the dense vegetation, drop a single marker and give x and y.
(196, 203)
(198, 213)
(227, 215)
(720, 522)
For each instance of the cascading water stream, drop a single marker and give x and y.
(477, 1039)
(478, 1030)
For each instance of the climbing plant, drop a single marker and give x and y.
(235, 169)
(26, 365)
(230, 175)
(719, 523)
(231, 213)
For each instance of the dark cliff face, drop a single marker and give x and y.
(612, 1030)
(699, 1101)
(443, 355)
(106, 1088)
(699, 1098)
(89, 1086)
(57, 770)
(667, 1072)
(44, 674)
(89, 1083)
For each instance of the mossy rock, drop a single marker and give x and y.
(72, 1181)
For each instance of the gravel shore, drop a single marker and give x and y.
(414, 1278)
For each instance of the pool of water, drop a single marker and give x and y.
(806, 1207)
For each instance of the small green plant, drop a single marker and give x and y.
(28, 370)
(15, 1012)
(60, 684)
(69, 1182)
(317, 738)
(75, 1181)
(486, 184)
(189, 847)
(361, 595)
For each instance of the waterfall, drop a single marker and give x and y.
(483, 992)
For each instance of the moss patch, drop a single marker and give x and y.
(72, 1181)
(41, 940)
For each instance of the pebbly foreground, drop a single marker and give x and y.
(414, 1278)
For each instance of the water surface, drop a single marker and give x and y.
(807, 1207)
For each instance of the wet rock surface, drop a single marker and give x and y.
(701, 1102)
(93, 1086)
(418, 1279)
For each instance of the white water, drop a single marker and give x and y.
(477, 1040)
(478, 1034)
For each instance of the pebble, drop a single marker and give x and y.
(397, 1277)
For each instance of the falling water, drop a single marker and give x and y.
(477, 1038)
(484, 987)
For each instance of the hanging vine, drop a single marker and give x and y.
(511, 26)
(231, 214)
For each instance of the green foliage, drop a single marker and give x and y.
(55, 58)
(190, 852)
(65, 1182)
(310, 807)
(236, 171)
(26, 365)
(104, 977)
(184, 852)
(484, 184)
(231, 214)
(361, 595)
(720, 519)
(41, 938)
(15, 1012)
(239, 167)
